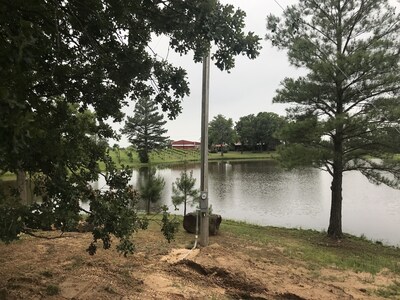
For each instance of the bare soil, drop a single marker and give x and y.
(229, 268)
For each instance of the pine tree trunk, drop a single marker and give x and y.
(335, 221)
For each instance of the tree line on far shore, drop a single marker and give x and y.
(252, 132)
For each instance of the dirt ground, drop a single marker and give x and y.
(229, 268)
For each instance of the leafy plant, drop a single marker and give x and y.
(114, 212)
(169, 227)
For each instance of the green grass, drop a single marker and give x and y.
(390, 291)
(317, 250)
(169, 156)
(234, 155)
(8, 176)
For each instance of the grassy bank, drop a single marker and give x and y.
(313, 248)
(170, 156)
(318, 251)
(125, 157)
(7, 176)
(242, 262)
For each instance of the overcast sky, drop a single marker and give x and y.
(247, 89)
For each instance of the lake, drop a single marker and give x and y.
(260, 192)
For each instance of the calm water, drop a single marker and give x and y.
(260, 192)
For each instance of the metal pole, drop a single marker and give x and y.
(204, 221)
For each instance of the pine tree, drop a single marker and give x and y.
(145, 129)
(344, 115)
(152, 189)
(183, 189)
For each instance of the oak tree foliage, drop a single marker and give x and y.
(259, 132)
(220, 132)
(69, 66)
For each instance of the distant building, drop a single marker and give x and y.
(185, 145)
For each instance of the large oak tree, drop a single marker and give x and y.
(258, 132)
(220, 132)
(345, 111)
(59, 59)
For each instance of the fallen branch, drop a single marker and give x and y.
(29, 231)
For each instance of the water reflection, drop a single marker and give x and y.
(262, 193)
(265, 194)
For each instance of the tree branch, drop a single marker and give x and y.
(29, 231)
(356, 20)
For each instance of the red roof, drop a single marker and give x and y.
(185, 143)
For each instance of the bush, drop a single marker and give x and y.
(52, 290)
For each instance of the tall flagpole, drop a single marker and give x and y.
(204, 220)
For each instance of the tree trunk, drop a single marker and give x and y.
(184, 208)
(148, 206)
(335, 221)
(22, 187)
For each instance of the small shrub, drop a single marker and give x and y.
(52, 290)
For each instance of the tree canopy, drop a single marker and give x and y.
(258, 132)
(96, 54)
(68, 66)
(220, 131)
(245, 130)
(344, 114)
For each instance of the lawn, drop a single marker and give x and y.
(128, 157)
